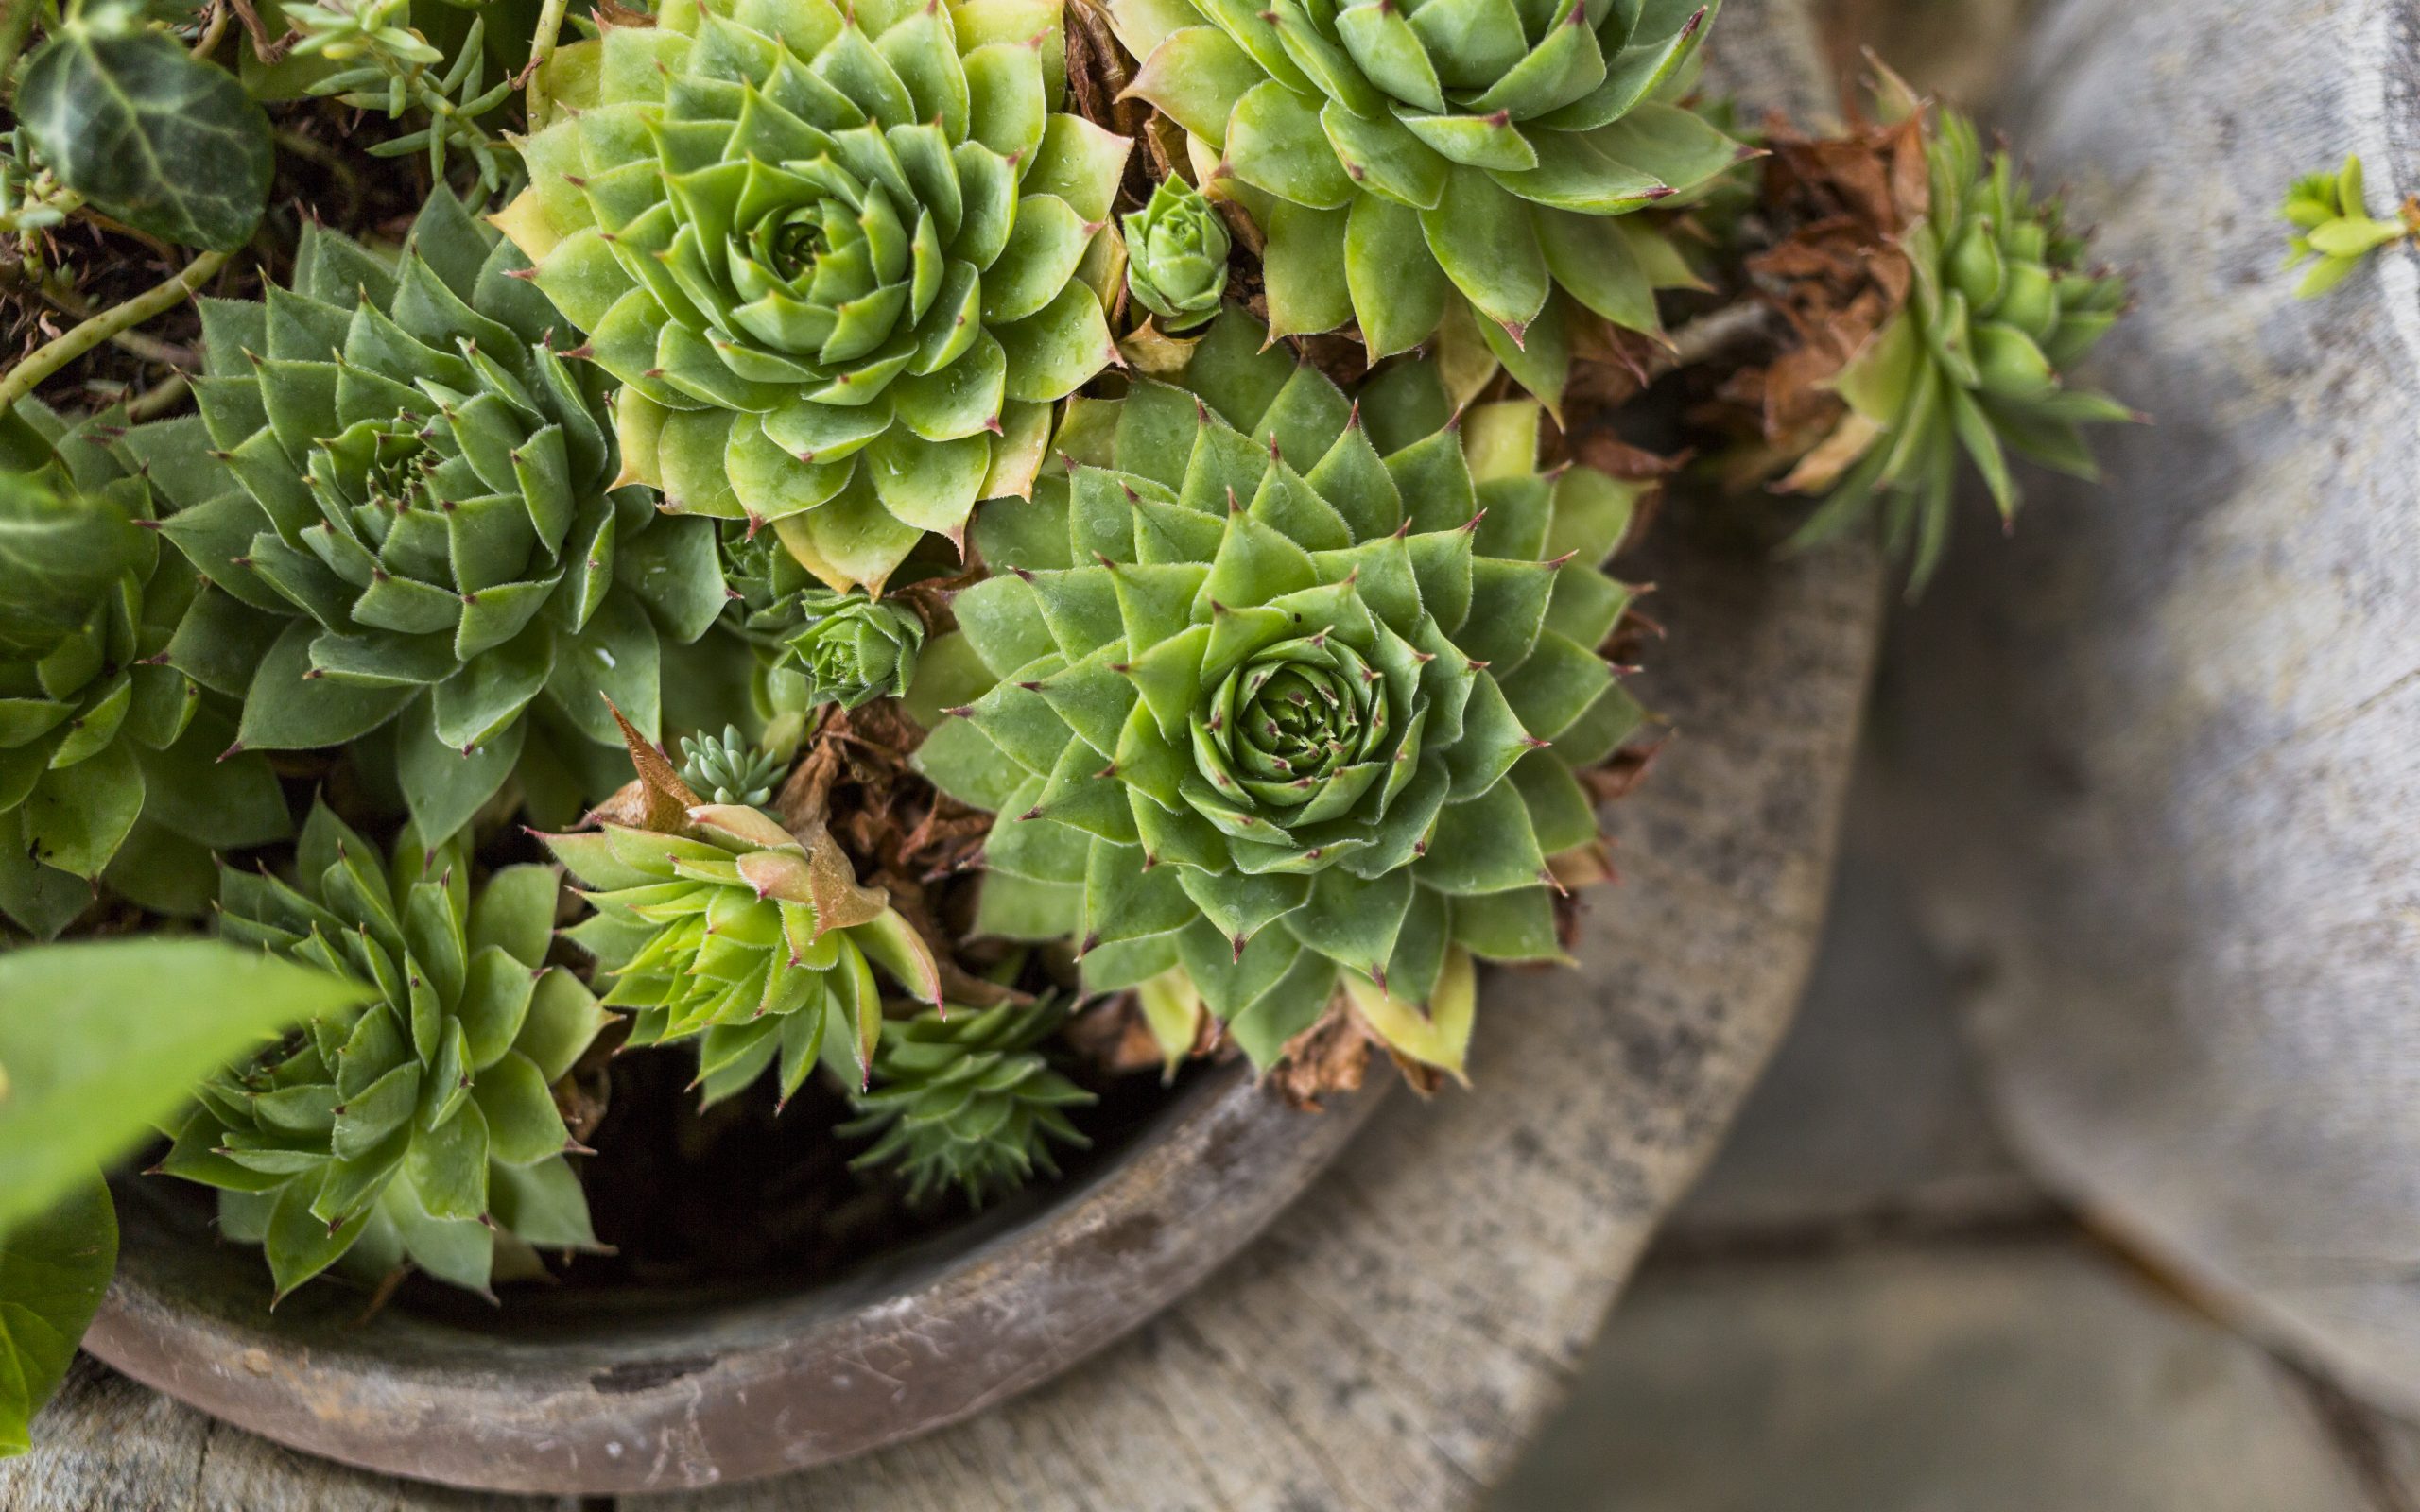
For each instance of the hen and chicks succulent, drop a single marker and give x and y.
(1283, 697)
(1287, 690)
(2001, 310)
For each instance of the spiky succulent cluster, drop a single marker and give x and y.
(1287, 687)
(105, 753)
(2331, 220)
(966, 1099)
(832, 252)
(738, 934)
(728, 767)
(411, 509)
(2001, 309)
(1405, 158)
(1176, 255)
(422, 1126)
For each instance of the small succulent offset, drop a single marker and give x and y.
(1402, 159)
(421, 1127)
(104, 752)
(965, 1099)
(1290, 689)
(393, 68)
(833, 252)
(730, 769)
(415, 520)
(1176, 255)
(2000, 309)
(849, 648)
(2332, 222)
(725, 928)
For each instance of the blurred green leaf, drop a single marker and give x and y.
(53, 1271)
(100, 1040)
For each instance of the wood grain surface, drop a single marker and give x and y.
(1395, 1337)
(2163, 754)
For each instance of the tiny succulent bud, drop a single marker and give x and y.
(2331, 221)
(850, 649)
(1176, 250)
(728, 769)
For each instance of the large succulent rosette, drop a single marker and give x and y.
(421, 1126)
(109, 760)
(1283, 691)
(1407, 158)
(836, 254)
(412, 512)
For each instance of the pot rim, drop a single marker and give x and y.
(602, 1399)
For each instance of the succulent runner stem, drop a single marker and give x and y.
(541, 50)
(49, 358)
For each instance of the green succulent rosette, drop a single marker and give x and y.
(1283, 689)
(1409, 159)
(109, 760)
(849, 649)
(415, 521)
(838, 257)
(755, 943)
(421, 1127)
(1176, 255)
(765, 579)
(965, 1099)
(2001, 308)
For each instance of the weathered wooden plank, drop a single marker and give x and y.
(2174, 739)
(1398, 1334)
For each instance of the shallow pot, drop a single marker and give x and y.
(606, 1391)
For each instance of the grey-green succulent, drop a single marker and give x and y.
(965, 1099)
(417, 527)
(837, 255)
(421, 1127)
(1176, 255)
(2001, 309)
(109, 758)
(1407, 159)
(730, 769)
(1284, 688)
